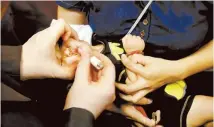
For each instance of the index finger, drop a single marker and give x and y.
(131, 76)
(136, 86)
(83, 68)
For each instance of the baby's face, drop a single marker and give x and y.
(68, 53)
(133, 43)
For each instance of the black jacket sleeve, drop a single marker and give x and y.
(10, 59)
(77, 117)
(10, 66)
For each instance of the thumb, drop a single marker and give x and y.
(59, 28)
(53, 22)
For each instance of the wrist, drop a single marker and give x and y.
(182, 67)
(24, 66)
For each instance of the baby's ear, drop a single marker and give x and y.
(99, 48)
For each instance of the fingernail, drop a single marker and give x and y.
(150, 101)
(123, 56)
(53, 22)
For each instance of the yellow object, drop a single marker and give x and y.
(177, 89)
(116, 51)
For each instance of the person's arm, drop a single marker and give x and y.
(71, 16)
(198, 61)
(73, 12)
(40, 62)
(157, 72)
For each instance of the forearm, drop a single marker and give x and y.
(70, 16)
(198, 61)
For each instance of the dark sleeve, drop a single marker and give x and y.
(10, 59)
(75, 5)
(77, 117)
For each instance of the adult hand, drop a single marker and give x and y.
(39, 55)
(152, 74)
(129, 109)
(134, 97)
(87, 92)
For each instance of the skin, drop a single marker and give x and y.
(156, 72)
(127, 109)
(89, 93)
(185, 67)
(151, 73)
(80, 18)
(41, 62)
(202, 105)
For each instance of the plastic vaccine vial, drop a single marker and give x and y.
(96, 63)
